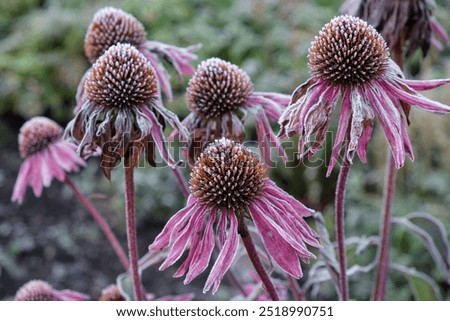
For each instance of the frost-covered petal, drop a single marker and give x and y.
(225, 258)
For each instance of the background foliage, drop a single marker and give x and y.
(41, 63)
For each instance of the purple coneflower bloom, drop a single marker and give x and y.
(350, 59)
(401, 23)
(122, 113)
(229, 186)
(46, 156)
(220, 95)
(37, 290)
(112, 26)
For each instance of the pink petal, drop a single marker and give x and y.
(222, 226)
(225, 258)
(267, 138)
(202, 257)
(275, 242)
(158, 137)
(363, 142)
(383, 108)
(342, 131)
(161, 73)
(23, 179)
(407, 142)
(440, 31)
(417, 99)
(174, 225)
(425, 84)
(179, 245)
(69, 295)
(36, 174)
(272, 189)
(195, 247)
(55, 170)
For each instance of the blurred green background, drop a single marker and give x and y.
(41, 63)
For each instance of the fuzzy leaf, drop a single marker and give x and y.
(423, 287)
(125, 284)
(434, 236)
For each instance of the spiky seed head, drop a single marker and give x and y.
(348, 51)
(37, 134)
(217, 87)
(109, 27)
(227, 175)
(35, 290)
(111, 293)
(121, 78)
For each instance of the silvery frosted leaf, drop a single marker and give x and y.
(434, 236)
(423, 287)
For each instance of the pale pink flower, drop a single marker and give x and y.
(350, 59)
(112, 26)
(37, 290)
(229, 187)
(45, 156)
(220, 96)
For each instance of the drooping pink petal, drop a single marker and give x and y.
(175, 224)
(407, 142)
(222, 227)
(193, 226)
(439, 30)
(272, 103)
(275, 211)
(161, 73)
(267, 138)
(55, 170)
(342, 131)
(195, 247)
(179, 58)
(417, 99)
(274, 240)
(384, 109)
(201, 258)
(64, 155)
(287, 217)
(23, 179)
(36, 174)
(422, 85)
(363, 142)
(158, 138)
(273, 189)
(225, 258)
(80, 96)
(69, 295)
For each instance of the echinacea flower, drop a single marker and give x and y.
(46, 156)
(220, 95)
(401, 23)
(112, 26)
(122, 114)
(228, 187)
(350, 59)
(37, 290)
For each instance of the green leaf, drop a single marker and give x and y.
(433, 235)
(423, 287)
(125, 284)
